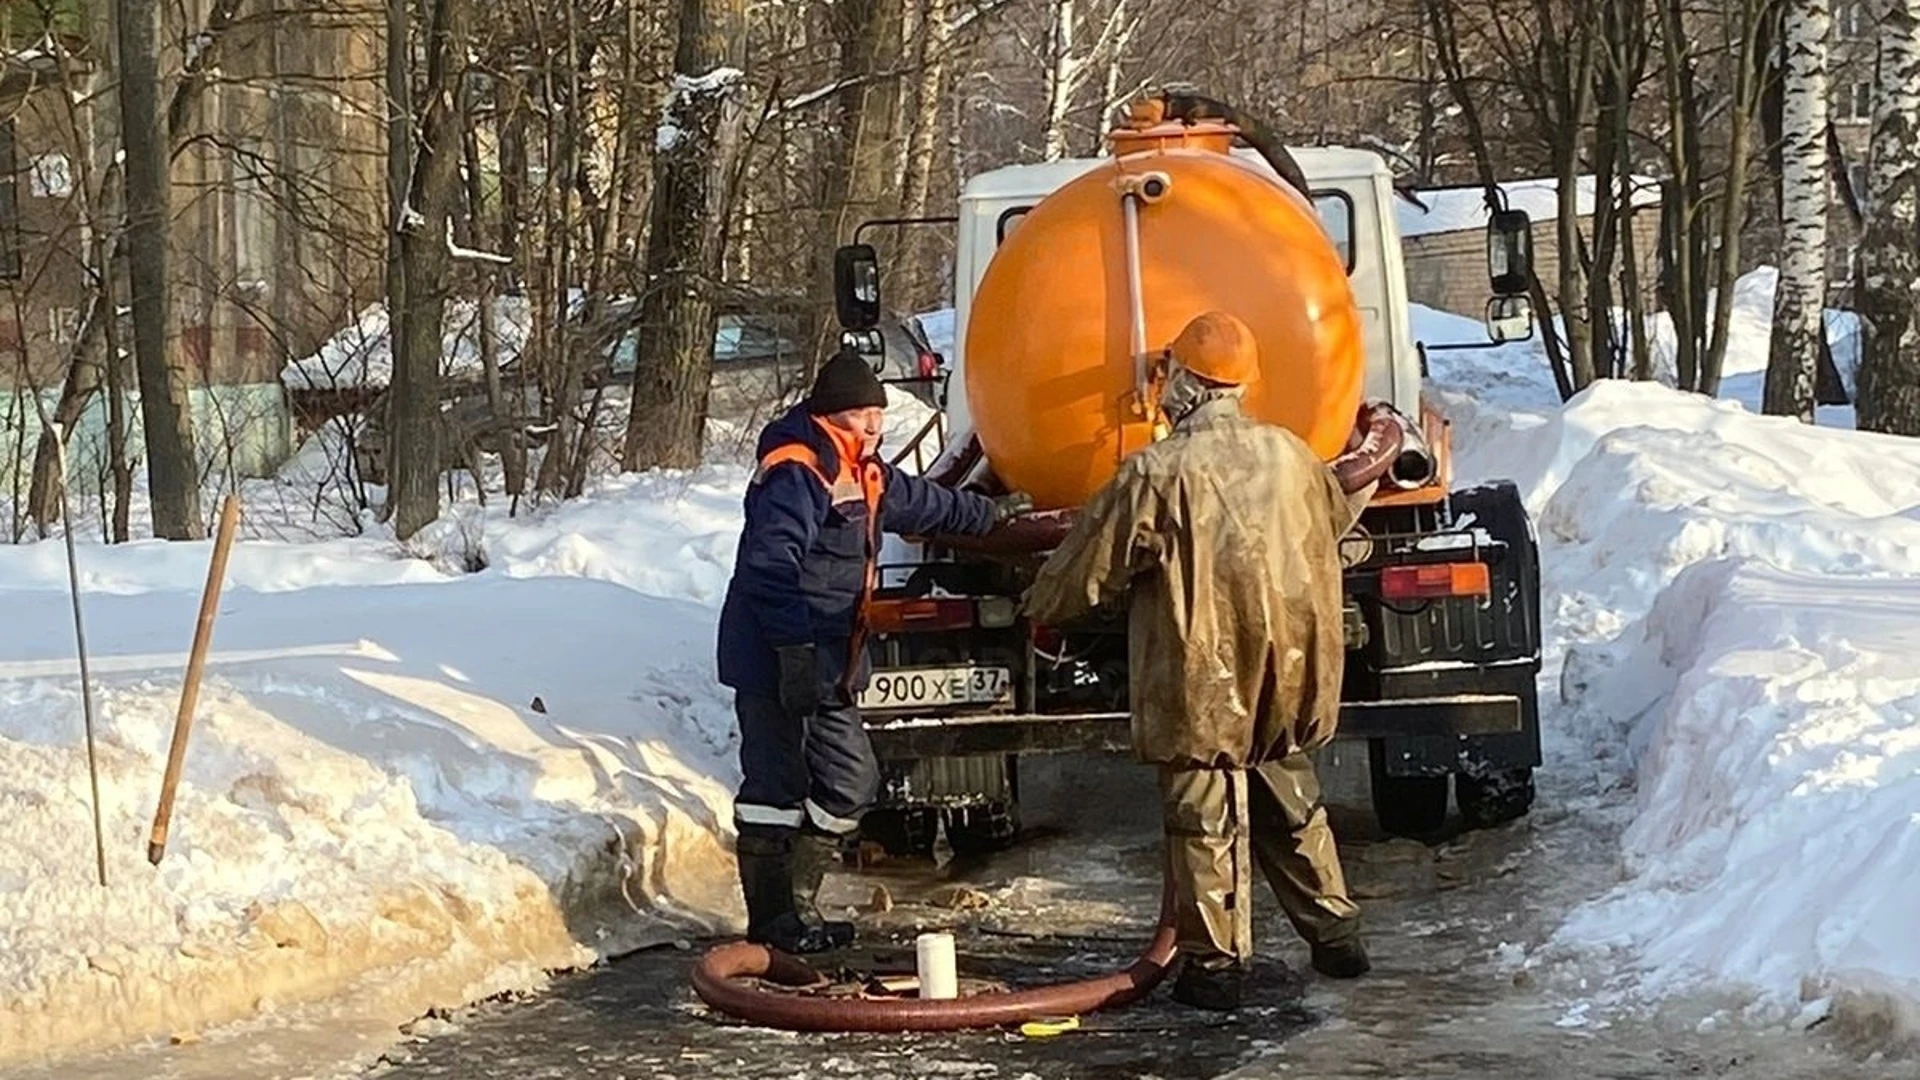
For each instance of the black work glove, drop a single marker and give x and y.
(799, 680)
(1007, 507)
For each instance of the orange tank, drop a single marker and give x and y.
(1050, 371)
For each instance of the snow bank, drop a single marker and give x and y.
(1776, 719)
(404, 786)
(1731, 604)
(407, 784)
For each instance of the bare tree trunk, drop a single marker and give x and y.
(172, 478)
(858, 29)
(414, 452)
(1748, 16)
(98, 130)
(1569, 62)
(686, 245)
(1639, 342)
(608, 208)
(1799, 303)
(513, 458)
(399, 26)
(84, 372)
(1889, 383)
(117, 385)
(565, 136)
(1682, 197)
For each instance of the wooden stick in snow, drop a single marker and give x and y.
(190, 690)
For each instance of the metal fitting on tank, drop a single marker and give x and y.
(1148, 187)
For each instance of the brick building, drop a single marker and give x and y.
(1444, 240)
(277, 206)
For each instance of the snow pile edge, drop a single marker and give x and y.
(1735, 598)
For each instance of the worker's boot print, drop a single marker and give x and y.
(766, 881)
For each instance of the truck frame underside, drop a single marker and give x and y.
(1439, 687)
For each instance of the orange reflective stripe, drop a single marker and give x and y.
(792, 452)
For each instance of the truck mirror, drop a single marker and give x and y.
(1510, 252)
(868, 345)
(1509, 318)
(856, 286)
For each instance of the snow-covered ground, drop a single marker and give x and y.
(405, 781)
(1733, 604)
(422, 784)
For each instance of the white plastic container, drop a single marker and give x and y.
(939, 976)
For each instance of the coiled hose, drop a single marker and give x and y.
(720, 981)
(1388, 449)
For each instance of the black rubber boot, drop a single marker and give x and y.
(1342, 959)
(766, 880)
(1216, 986)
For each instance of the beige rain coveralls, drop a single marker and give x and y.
(1224, 540)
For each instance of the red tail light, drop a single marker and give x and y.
(1045, 638)
(929, 365)
(1435, 580)
(895, 616)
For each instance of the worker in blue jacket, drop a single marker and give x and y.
(792, 641)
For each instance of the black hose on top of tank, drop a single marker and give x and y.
(1188, 105)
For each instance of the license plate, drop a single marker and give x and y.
(922, 688)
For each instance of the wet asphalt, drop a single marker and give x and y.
(1076, 897)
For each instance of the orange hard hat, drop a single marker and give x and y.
(1219, 348)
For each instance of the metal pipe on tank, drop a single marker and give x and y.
(1130, 207)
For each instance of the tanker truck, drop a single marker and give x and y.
(1071, 277)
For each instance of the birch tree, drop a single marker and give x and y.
(1799, 301)
(1072, 59)
(1889, 382)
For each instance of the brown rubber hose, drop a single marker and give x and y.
(715, 980)
(1384, 446)
(1382, 437)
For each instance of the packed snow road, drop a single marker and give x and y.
(1077, 898)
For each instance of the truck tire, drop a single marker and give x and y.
(1499, 791)
(1494, 798)
(983, 830)
(1408, 806)
(903, 832)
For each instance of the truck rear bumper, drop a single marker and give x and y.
(1462, 716)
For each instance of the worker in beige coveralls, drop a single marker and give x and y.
(1223, 540)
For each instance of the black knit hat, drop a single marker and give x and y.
(845, 382)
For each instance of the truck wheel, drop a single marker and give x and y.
(1495, 798)
(982, 830)
(903, 833)
(1410, 806)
